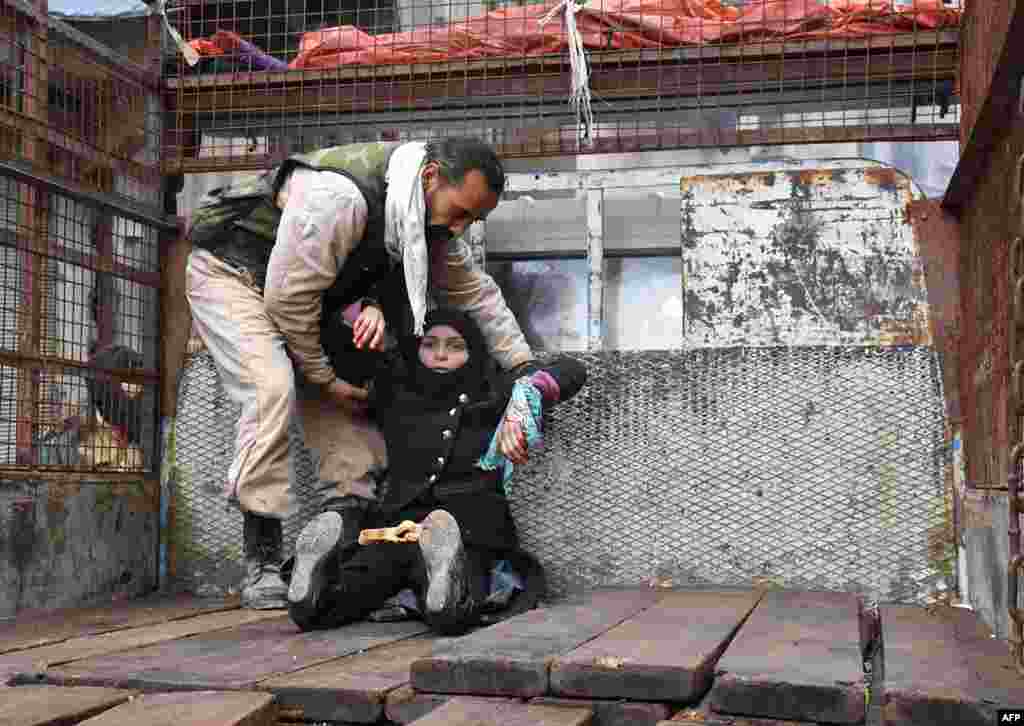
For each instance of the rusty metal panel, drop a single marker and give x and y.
(802, 257)
(982, 36)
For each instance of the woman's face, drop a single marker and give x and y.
(442, 349)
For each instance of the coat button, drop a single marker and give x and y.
(453, 412)
(463, 398)
(446, 434)
(440, 461)
(432, 478)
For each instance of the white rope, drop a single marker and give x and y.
(579, 96)
(159, 7)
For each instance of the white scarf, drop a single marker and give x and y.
(405, 224)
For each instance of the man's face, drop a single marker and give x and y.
(450, 208)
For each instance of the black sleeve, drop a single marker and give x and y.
(568, 372)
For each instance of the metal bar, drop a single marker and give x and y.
(82, 476)
(52, 364)
(58, 251)
(120, 205)
(917, 43)
(617, 83)
(104, 232)
(494, 108)
(595, 263)
(31, 216)
(667, 139)
(61, 138)
(609, 254)
(993, 120)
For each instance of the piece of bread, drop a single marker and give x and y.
(405, 532)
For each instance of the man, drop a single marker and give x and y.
(277, 254)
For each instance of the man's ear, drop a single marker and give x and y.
(431, 175)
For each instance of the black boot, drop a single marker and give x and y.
(447, 597)
(316, 550)
(263, 588)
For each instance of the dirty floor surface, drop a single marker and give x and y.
(621, 657)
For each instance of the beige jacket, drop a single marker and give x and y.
(323, 219)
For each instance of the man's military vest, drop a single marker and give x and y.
(239, 223)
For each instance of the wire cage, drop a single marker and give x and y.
(277, 77)
(80, 221)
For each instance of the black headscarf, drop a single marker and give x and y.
(473, 378)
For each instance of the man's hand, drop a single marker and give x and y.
(512, 441)
(347, 396)
(368, 330)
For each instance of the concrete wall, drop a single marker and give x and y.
(74, 544)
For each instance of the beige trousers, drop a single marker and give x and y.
(256, 372)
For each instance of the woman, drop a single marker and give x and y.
(444, 416)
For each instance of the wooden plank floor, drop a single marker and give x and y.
(31, 665)
(229, 659)
(205, 708)
(614, 658)
(513, 657)
(349, 689)
(45, 705)
(797, 657)
(475, 712)
(667, 652)
(943, 667)
(38, 629)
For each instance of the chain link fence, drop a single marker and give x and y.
(800, 467)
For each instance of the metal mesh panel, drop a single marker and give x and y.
(79, 252)
(817, 467)
(662, 75)
(206, 529)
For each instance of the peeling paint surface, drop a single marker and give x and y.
(70, 544)
(802, 257)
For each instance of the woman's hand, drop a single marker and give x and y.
(512, 441)
(368, 330)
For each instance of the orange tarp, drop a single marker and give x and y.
(615, 25)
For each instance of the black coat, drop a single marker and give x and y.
(433, 447)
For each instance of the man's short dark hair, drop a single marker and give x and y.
(459, 155)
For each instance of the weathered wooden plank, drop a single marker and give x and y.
(231, 659)
(613, 713)
(702, 715)
(797, 657)
(942, 667)
(512, 658)
(29, 664)
(52, 705)
(716, 719)
(405, 705)
(354, 688)
(205, 708)
(476, 712)
(38, 629)
(665, 653)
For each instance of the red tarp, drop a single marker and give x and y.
(611, 25)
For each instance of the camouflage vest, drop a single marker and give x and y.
(239, 223)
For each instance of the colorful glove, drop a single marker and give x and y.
(524, 408)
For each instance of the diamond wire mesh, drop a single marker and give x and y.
(274, 81)
(803, 467)
(207, 531)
